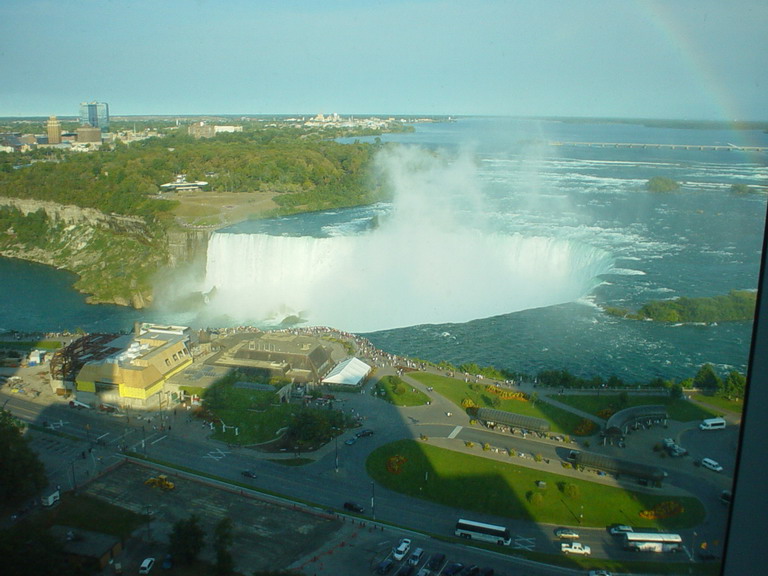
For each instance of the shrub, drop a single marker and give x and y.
(662, 510)
(469, 444)
(535, 498)
(538, 457)
(572, 491)
(486, 447)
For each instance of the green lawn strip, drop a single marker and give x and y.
(397, 392)
(678, 409)
(720, 403)
(457, 391)
(490, 486)
(89, 513)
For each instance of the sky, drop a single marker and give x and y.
(688, 59)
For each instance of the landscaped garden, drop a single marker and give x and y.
(480, 395)
(490, 486)
(397, 392)
(248, 413)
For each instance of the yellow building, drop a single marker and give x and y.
(135, 374)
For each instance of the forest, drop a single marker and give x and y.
(126, 179)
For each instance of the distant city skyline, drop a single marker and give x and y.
(688, 59)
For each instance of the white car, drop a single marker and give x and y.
(402, 549)
(619, 529)
(711, 464)
(146, 566)
(599, 573)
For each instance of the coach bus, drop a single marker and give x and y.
(487, 532)
(653, 542)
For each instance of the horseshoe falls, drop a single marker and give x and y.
(394, 276)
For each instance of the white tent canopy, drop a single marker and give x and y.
(350, 372)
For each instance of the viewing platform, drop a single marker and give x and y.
(725, 147)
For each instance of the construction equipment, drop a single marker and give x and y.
(161, 481)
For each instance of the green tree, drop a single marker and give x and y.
(187, 539)
(707, 379)
(222, 542)
(735, 385)
(21, 473)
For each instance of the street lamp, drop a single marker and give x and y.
(373, 500)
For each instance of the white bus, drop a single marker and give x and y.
(487, 532)
(653, 542)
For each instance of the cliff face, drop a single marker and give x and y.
(114, 256)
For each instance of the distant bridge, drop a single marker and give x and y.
(726, 147)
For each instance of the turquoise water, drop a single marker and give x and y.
(702, 240)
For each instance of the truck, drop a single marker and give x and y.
(575, 548)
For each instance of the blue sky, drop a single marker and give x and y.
(699, 59)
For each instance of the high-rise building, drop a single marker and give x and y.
(95, 114)
(53, 128)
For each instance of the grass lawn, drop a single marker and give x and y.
(457, 391)
(720, 402)
(89, 513)
(678, 408)
(397, 392)
(488, 486)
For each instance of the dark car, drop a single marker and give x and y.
(385, 566)
(436, 561)
(352, 507)
(364, 433)
(248, 474)
(453, 569)
(473, 570)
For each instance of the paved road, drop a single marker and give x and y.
(89, 441)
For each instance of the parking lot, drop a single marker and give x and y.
(267, 535)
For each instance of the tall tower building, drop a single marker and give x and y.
(95, 114)
(53, 128)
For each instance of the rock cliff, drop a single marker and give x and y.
(114, 256)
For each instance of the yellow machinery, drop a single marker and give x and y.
(161, 480)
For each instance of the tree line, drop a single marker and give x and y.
(125, 179)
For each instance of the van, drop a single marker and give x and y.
(51, 499)
(416, 557)
(711, 464)
(712, 424)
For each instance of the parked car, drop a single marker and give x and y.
(453, 569)
(402, 548)
(248, 473)
(385, 566)
(566, 534)
(146, 566)
(711, 464)
(364, 433)
(473, 570)
(436, 561)
(352, 507)
(350, 441)
(599, 573)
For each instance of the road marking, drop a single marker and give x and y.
(455, 432)
(521, 543)
(161, 438)
(217, 454)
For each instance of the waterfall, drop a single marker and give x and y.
(388, 279)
